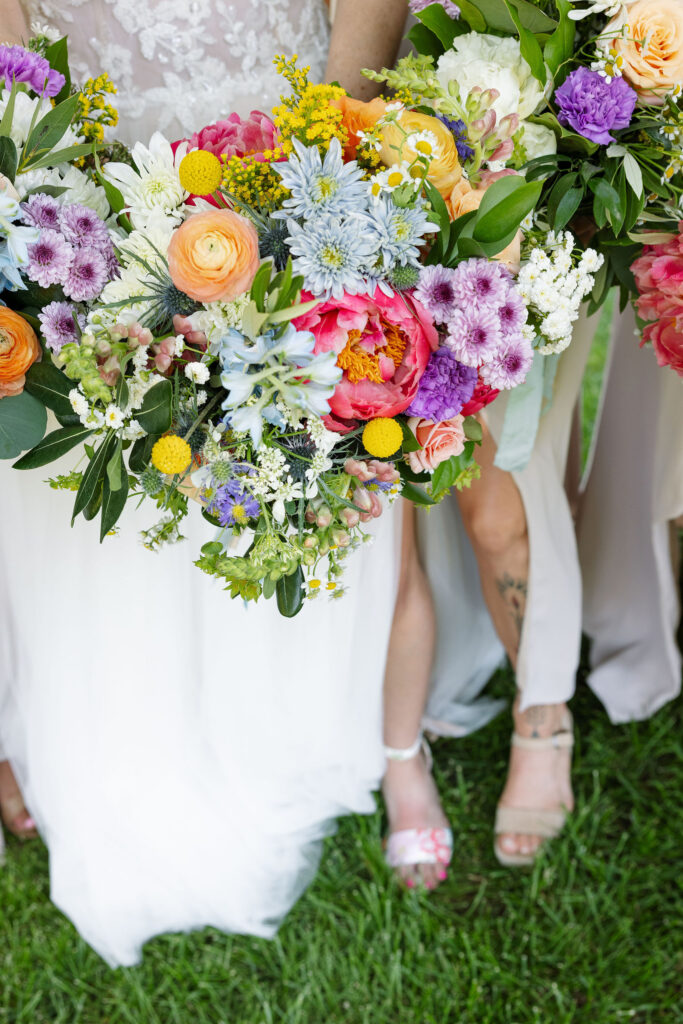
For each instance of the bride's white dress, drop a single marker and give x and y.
(183, 755)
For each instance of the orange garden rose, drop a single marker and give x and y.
(19, 349)
(444, 167)
(651, 46)
(358, 117)
(214, 256)
(463, 199)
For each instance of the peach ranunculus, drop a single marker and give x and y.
(444, 166)
(463, 199)
(213, 256)
(439, 441)
(358, 117)
(19, 349)
(651, 46)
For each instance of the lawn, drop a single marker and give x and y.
(593, 934)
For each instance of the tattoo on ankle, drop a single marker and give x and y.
(536, 717)
(513, 591)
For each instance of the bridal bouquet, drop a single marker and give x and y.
(587, 99)
(276, 322)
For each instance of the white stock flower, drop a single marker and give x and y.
(491, 62)
(155, 184)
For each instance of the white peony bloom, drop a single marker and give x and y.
(538, 140)
(491, 62)
(155, 185)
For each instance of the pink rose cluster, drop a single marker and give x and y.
(659, 279)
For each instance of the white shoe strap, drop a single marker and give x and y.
(407, 754)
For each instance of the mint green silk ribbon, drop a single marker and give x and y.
(525, 406)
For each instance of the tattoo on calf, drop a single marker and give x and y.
(513, 591)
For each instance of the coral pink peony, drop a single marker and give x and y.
(383, 346)
(439, 442)
(666, 336)
(236, 137)
(658, 273)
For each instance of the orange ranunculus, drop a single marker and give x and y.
(651, 46)
(463, 199)
(444, 166)
(358, 117)
(19, 349)
(213, 256)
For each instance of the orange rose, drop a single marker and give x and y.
(213, 256)
(19, 349)
(358, 117)
(463, 199)
(651, 69)
(422, 129)
(438, 440)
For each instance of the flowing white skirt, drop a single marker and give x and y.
(634, 487)
(183, 755)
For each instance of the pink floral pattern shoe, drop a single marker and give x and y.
(412, 846)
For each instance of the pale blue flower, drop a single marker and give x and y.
(14, 242)
(320, 186)
(399, 231)
(333, 255)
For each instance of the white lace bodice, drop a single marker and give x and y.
(181, 64)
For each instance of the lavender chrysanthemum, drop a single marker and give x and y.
(451, 9)
(474, 335)
(87, 276)
(458, 130)
(234, 506)
(21, 65)
(81, 226)
(509, 365)
(445, 386)
(41, 211)
(50, 259)
(512, 312)
(480, 281)
(436, 292)
(595, 106)
(58, 326)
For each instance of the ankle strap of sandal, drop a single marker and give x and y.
(557, 741)
(405, 754)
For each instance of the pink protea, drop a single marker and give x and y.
(383, 344)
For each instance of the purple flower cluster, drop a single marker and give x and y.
(58, 324)
(595, 106)
(233, 505)
(74, 249)
(445, 387)
(458, 130)
(21, 65)
(484, 315)
(449, 7)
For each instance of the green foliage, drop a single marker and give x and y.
(290, 594)
(56, 444)
(22, 424)
(156, 412)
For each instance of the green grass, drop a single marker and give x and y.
(593, 934)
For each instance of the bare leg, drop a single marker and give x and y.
(410, 795)
(12, 808)
(495, 520)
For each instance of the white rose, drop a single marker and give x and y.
(491, 62)
(538, 140)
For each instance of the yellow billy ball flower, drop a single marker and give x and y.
(200, 172)
(382, 437)
(171, 455)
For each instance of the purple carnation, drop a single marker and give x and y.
(474, 334)
(49, 259)
(436, 293)
(513, 312)
(233, 505)
(87, 275)
(480, 281)
(81, 226)
(445, 386)
(449, 7)
(509, 365)
(58, 326)
(21, 65)
(595, 106)
(41, 211)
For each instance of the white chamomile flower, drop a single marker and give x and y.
(198, 373)
(113, 417)
(424, 144)
(79, 403)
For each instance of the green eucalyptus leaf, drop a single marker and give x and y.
(156, 412)
(48, 132)
(23, 420)
(113, 503)
(52, 447)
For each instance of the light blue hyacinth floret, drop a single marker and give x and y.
(258, 374)
(14, 242)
